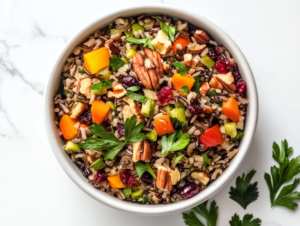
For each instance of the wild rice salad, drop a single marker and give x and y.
(151, 109)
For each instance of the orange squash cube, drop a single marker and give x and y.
(163, 125)
(96, 60)
(66, 126)
(179, 81)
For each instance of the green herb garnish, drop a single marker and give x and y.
(239, 135)
(206, 160)
(98, 164)
(244, 193)
(221, 104)
(177, 159)
(115, 62)
(100, 85)
(184, 89)
(183, 70)
(133, 88)
(286, 171)
(145, 41)
(168, 30)
(247, 221)
(137, 97)
(81, 71)
(197, 84)
(169, 144)
(142, 168)
(212, 93)
(145, 200)
(127, 192)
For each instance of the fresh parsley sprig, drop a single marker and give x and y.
(177, 159)
(142, 168)
(184, 89)
(169, 144)
(137, 97)
(98, 164)
(100, 85)
(145, 41)
(247, 221)
(133, 88)
(244, 193)
(115, 62)
(286, 171)
(183, 70)
(80, 71)
(168, 30)
(206, 160)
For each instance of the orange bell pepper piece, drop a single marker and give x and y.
(182, 41)
(66, 126)
(163, 125)
(211, 137)
(99, 111)
(96, 60)
(115, 181)
(231, 109)
(179, 81)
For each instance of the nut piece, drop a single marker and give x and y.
(148, 64)
(187, 59)
(200, 176)
(204, 89)
(156, 60)
(227, 81)
(214, 82)
(85, 86)
(141, 151)
(161, 43)
(141, 70)
(175, 176)
(135, 109)
(201, 37)
(127, 113)
(208, 110)
(78, 109)
(197, 49)
(118, 91)
(166, 67)
(163, 180)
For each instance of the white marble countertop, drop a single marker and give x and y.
(34, 188)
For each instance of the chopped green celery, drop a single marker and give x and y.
(152, 135)
(126, 61)
(103, 74)
(167, 108)
(70, 146)
(127, 192)
(111, 104)
(130, 53)
(179, 105)
(207, 61)
(100, 92)
(178, 113)
(127, 33)
(206, 171)
(230, 129)
(145, 200)
(137, 194)
(65, 92)
(239, 135)
(136, 27)
(148, 108)
(149, 25)
(115, 31)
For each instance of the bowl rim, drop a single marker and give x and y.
(73, 172)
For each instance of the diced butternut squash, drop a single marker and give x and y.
(96, 60)
(115, 181)
(66, 126)
(230, 108)
(163, 125)
(99, 111)
(182, 41)
(179, 81)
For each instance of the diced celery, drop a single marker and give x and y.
(103, 74)
(178, 113)
(111, 104)
(149, 25)
(148, 108)
(127, 33)
(137, 194)
(130, 52)
(230, 129)
(126, 61)
(207, 61)
(65, 92)
(70, 146)
(179, 105)
(137, 27)
(167, 108)
(152, 135)
(115, 31)
(100, 92)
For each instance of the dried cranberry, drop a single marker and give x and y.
(164, 94)
(114, 48)
(212, 52)
(189, 190)
(100, 175)
(195, 109)
(86, 118)
(156, 25)
(222, 66)
(147, 178)
(240, 86)
(108, 129)
(121, 129)
(235, 72)
(130, 81)
(127, 179)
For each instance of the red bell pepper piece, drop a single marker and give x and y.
(212, 137)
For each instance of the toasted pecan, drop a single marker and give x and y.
(141, 70)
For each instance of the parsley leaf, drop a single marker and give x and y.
(168, 30)
(221, 104)
(183, 70)
(169, 144)
(197, 84)
(184, 89)
(177, 159)
(142, 168)
(100, 85)
(212, 93)
(81, 71)
(132, 131)
(206, 160)
(137, 97)
(191, 219)
(133, 88)
(145, 41)
(244, 193)
(98, 164)
(239, 135)
(115, 62)
(285, 172)
(247, 221)
(145, 200)
(210, 215)
(127, 192)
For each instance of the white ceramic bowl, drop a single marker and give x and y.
(72, 170)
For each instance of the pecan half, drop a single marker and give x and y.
(197, 49)
(163, 180)
(201, 37)
(214, 82)
(155, 59)
(140, 69)
(204, 88)
(227, 81)
(231, 88)
(141, 151)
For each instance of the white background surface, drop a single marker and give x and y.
(34, 188)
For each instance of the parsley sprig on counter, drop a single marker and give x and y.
(108, 141)
(244, 193)
(247, 221)
(286, 171)
(169, 143)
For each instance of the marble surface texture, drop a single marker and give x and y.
(34, 188)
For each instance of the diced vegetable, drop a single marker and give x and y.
(239, 135)
(66, 126)
(130, 52)
(115, 181)
(211, 137)
(163, 125)
(152, 135)
(103, 74)
(65, 92)
(178, 113)
(127, 33)
(70, 146)
(179, 81)
(197, 84)
(149, 25)
(96, 60)
(179, 105)
(148, 108)
(207, 61)
(230, 129)
(137, 27)
(111, 104)
(167, 108)
(100, 92)
(150, 94)
(230, 108)
(99, 111)
(115, 31)
(182, 41)
(126, 61)
(137, 194)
